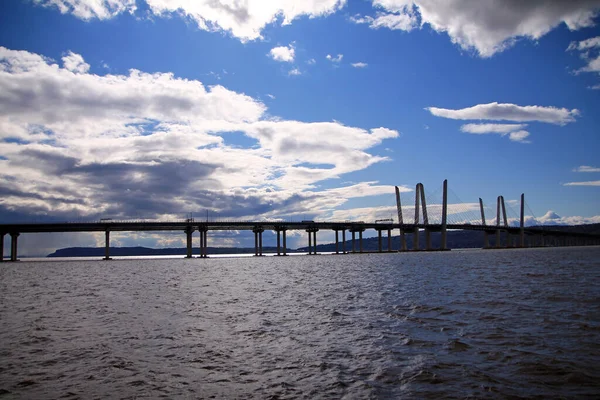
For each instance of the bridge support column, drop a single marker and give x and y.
(201, 242)
(278, 242)
(309, 242)
(379, 240)
(343, 241)
(427, 239)
(389, 240)
(486, 240)
(508, 240)
(416, 238)
(107, 245)
(353, 241)
(402, 240)
(315, 240)
(188, 236)
(497, 238)
(444, 234)
(257, 241)
(284, 243)
(205, 243)
(337, 242)
(360, 246)
(13, 246)
(2, 246)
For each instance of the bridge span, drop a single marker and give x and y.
(515, 236)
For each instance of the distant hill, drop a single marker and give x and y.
(146, 251)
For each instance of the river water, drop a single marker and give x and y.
(521, 323)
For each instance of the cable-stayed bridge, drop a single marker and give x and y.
(505, 230)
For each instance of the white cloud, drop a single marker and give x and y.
(552, 218)
(283, 53)
(75, 63)
(294, 72)
(335, 59)
(588, 183)
(519, 136)
(269, 95)
(146, 145)
(242, 19)
(359, 65)
(491, 128)
(89, 9)
(585, 44)
(515, 132)
(491, 26)
(311, 61)
(586, 168)
(508, 112)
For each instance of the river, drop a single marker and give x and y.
(522, 323)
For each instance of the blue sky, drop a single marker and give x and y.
(293, 109)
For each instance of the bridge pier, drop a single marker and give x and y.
(284, 242)
(486, 240)
(389, 239)
(379, 240)
(107, 245)
(13, 246)
(203, 241)
(360, 244)
(2, 246)
(337, 242)
(258, 230)
(278, 242)
(312, 242)
(353, 241)
(416, 239)
(402, 240)
(427, 239)
(344, 241)
(188, 236)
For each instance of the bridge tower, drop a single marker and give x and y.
(522, 222)
(420, 202)
(400, 221)
(486, 240)
(500, 205)
(444, 243)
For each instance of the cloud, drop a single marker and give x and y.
(403, 20)
(74, 63)
(487, 27)
(311, 61)
(586, 168)
(588, 183)
(283, 53)
(90, 9)
(152, 145)
(552, 218)
(515, 132)
(585, 44)
(242, 19)
(590, 52)
(359, 65)
(491, 128)
(336, 59)
(269, 95)
(294, 72)
(508, 112)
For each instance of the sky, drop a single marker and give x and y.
(293, 110)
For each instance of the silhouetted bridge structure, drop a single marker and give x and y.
(514, 236)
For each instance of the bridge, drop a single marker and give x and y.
(505, 235)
